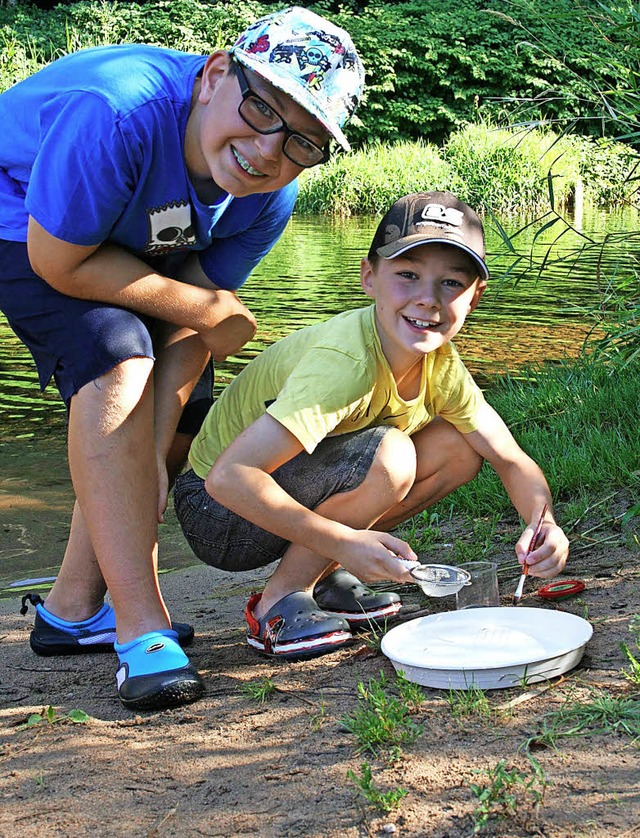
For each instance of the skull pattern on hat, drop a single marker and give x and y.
(310, 59)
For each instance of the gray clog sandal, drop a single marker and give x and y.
(343, 595)
(295, 628)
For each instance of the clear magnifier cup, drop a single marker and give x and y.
(482, 590)
(437, 580)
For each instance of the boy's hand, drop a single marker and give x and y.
(230, 335)
(551, 551)
(373, 557)
(163, 489)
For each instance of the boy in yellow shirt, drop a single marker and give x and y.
(358, 422)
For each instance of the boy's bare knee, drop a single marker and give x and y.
(115, 395)
(468, 464)
(396, 461)
(443, 450)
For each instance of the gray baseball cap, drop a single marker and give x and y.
(430, 217)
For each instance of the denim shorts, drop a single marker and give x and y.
(222, 539)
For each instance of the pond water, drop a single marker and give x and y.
(528, 315)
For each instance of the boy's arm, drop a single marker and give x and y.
(528, 489)
(241, 480)
(110, 274)
(180, 359)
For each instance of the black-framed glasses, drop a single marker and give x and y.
(265, 120)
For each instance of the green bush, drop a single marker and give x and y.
(503, 170)
(609, 170)
(430, 68)
(508, 170)
(369, 180)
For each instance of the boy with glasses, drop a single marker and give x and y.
(139, 187)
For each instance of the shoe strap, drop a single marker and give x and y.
(34, 599)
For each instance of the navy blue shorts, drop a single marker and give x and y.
(77, 341)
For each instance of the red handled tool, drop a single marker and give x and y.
(532, 545)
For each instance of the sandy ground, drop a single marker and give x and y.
(231, 765)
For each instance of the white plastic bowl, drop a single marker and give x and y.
(488, 648)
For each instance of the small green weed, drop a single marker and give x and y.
(383, 801)
(319, 718)
(374, 634)
(48, 716)
(422, 531)
(262, 689)
(480, 545)
(471, 702)
(523, 680)
(410, 692)
(585, 607)
(381, 719)
(633, 672)
(509, 794)
(605, 713)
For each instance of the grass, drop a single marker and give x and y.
(617, 323)
(479, 546)
(574, 418)
(509, 794)
(423, 532)
(382, 801)
(605, 713)
(503, 170)
(499, 166)
(472, 702)
(262, 689)
(370, 180)
(633, 658)
(383, 721)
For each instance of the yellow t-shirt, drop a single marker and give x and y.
(333, 378)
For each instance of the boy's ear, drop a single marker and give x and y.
(366, 277)
(480, 289)
(215, 68)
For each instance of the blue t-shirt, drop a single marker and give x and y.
(92, 146)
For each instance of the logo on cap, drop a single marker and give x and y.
(443, 218)
(442, 215)
(423, 217)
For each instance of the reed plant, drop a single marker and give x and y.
(497, 169)
(616, 337)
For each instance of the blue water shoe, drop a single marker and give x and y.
(155, 673)
(53, 636)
